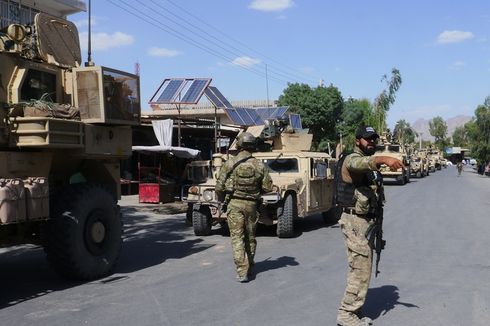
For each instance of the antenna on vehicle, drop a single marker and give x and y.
(89, 62)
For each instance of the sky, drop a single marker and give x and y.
(253, 48)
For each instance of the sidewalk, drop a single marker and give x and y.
(132, 201)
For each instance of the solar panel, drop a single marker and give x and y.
(213, 99)
(170, 90)
(255, 116)
(245, 116)
(295, 121)
(195, 91)
(220, 97)
(234, 117)
(279, 112)
(265, 113)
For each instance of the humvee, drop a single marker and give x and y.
(402, 175)
(63, 131)
(302, 183)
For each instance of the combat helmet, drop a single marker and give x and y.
(246, 141)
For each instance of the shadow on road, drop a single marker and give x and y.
(270, 264)
(148, 241)
(383, 299)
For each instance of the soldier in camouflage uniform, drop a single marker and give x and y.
(357, 194)
(242, 180)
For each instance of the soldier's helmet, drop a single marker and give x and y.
(246, 141)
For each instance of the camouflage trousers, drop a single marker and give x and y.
(242, 220)
(359, 256)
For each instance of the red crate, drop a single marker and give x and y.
(149, 193)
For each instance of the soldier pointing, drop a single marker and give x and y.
(242, 180)
(359, 192)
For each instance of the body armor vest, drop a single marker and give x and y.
(344, 191)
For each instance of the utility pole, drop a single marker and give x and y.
(267, 84)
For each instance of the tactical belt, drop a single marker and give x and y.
(352, 211)
(240, 198)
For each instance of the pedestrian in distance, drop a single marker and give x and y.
(359, 191)
(241, 181)
(459, 166)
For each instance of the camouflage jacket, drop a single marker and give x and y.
(225, 184)
(366, 192)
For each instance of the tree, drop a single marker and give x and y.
(383, 102)
(479, 133)
(460, 137)
(320, 109)
(438, 129)
(356, 112)
(403, 133)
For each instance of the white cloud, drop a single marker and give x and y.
(104, 41)
(84, 22)
(447, 37)
(271, 5)
(162, 52)
(457, 65)
(245, 61)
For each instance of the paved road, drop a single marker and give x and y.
(435, 270)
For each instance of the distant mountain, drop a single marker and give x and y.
(421, 126)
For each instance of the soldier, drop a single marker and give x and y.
(358, 196)
(241, 181)
(459, 166)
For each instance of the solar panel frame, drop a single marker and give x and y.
(234, 116)
(213, 98)
(164, 87)
(195, 91)
(255, 116)
(245, 116)
(220, 97)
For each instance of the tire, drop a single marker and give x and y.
(407, 177)
(188, 214)
(419, 175)
(201, 221)
(285, 218)
(84, 235)
(332, 216)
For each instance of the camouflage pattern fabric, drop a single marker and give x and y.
(242, 215)
(242, 220)
(355, 228)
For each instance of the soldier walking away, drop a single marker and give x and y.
(359, 191)
(241, 181)
(459, 166)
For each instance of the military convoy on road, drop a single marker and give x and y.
(302, 182)
(63, 131)
(385, 148)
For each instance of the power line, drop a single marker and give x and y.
(186, 38)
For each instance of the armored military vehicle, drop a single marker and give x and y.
(419, 165)
(302, 182)
(63, 131)
(386, 148)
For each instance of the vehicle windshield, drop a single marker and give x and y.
(282, 165)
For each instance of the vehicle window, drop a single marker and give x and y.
(38, 83)
(282, 165)
(380, 147)
(319, 169)
(394, 148)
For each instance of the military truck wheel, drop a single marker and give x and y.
(407, 177)
(285, 218)
(418, 175)
(84, 235)
(188, 214)
(201, 221)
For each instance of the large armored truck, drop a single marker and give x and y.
(419, 165)
(63, 131)
(302, 183)
(402, 175)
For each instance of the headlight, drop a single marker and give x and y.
(208, 195)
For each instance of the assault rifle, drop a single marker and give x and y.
(375, 234)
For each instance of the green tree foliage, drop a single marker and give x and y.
(383, 102)
(460, 137)
(356, 112)
(403, 133)
(320, 109)
(479, 132)
(438, 130)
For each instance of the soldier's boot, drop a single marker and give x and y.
(242, 279)
(363, 318)
(350, 319)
